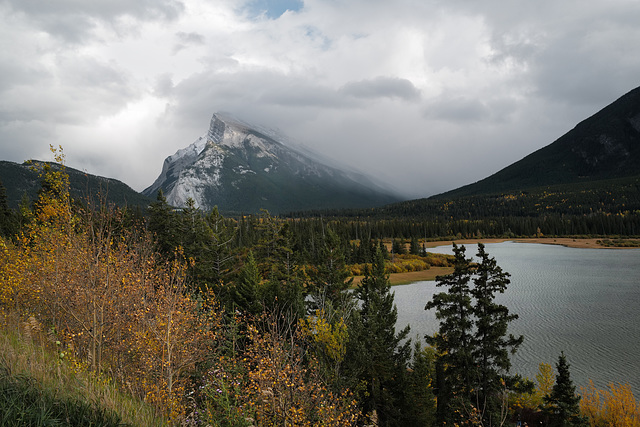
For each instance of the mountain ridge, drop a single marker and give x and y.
(20, 179)
(605, 145)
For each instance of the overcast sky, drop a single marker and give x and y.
(426, 95)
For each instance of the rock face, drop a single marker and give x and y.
(239, 168)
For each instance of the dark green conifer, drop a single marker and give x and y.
(219, 259)
(8, 218)
(397, 247)
(245, 291)
(330, 277)
(472, 341)
(492, 346)
(163, 225)
(414, 248)
(378, 354)
(562, 404)
(454, 339)
(421, 408)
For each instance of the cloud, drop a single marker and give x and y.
(75, 90)
(458, 110)
(382, 87)
(187, 39)
(72, 21)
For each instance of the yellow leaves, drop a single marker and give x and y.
(331, 338)
(546, 379)
(114, 308)
(106, 298)
(613, 407)
(280, 388)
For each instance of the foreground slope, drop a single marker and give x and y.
(240, 168)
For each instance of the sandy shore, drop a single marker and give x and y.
(563, 241)
(414, 276)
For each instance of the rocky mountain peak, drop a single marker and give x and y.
(240, 167)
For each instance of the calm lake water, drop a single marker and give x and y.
(585, 302)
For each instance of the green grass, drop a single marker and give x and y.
(23, 402)
(39, 388)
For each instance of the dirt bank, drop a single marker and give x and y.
(563, 241)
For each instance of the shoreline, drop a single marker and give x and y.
(562, 241)
(429, 275)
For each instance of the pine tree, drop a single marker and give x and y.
(245, 290)
(8, 218)
(283, 292)
(455, 335)
(414, 248)
(421, 408)
(330, 277)
(163, 225)
(472, 342)
(563, 404)
(491, 345)
(379, 355)
(194, 237)
(397, 247)
(220, 257)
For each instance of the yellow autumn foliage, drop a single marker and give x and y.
(98, 289)
(284, 390)
(615, 406)
(330, 337)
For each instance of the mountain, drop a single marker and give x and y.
(592, 169)
(23, 179)
(604, 146)
(242, 168)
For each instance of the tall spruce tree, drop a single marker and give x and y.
(472, 342)
(194, 236)
(329, 277)
(8, 218)
(491, 343)
(454, 339)
(414, 247)
(421, 403)
(245, 288)
(562, 404)
(378, 354)
(283, 292)
(163, 224)
(220, 255)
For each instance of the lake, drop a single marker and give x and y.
(585, 302)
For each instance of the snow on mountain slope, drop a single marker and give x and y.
(174, 164)
(240, 167)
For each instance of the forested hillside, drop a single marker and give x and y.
(602, 208)
(250, 321)
(601, 147)
(21, 181)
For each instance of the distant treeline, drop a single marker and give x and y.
(610, 207)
